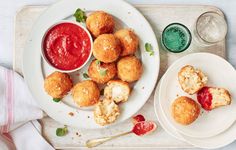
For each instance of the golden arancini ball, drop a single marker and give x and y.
(106, 48)
(57, 84)
(86, 93)
(101, 72)
(100, 22)
(129, 41)
(129, 68)
(185, 110)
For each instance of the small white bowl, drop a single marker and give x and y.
(43, 52)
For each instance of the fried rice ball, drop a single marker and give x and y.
(86, 93)
(213, 97)
(129, 41)
(191, 79)
(101, 72)
(100, 22)
(106, 48)
(117, 90)
(58, 84)
(129, 68)
(185, 110)
(106, 112)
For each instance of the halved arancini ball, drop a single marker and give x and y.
(100, 22)
(117, 90)
(106, 48)
(129, 41)
(101, 72)
(129, 68)
(58, 84)
(86, 93)
(191, 79)
(106, 112)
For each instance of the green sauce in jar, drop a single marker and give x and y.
(176, 38)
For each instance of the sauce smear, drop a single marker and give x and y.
(138, 118)
(67, 46)
(144, 127)
(204, 97)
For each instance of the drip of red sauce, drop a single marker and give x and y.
(67, 46)
(138, 118)
(144, 127)
(204, 97)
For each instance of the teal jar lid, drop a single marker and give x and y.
(176, 38)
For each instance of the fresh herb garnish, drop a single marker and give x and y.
(80, 15)
(85, 75)
(103, 72)
(149, 49)
(98, 62)
(61, 131)
(56, 100)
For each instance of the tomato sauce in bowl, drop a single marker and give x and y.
(67, 46)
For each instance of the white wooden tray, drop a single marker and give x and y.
(159, 16)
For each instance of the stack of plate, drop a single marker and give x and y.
(212, 129)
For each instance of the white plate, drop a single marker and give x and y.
(220, 74)
(35, 69)
(217, 141)
(160, 117)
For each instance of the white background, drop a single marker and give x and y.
(8, 9)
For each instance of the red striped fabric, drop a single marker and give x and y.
(9, 101)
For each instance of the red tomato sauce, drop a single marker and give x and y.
(143, 127)
(138, 118)
(67, 46)
(204, 97)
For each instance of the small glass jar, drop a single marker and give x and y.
(210, 28)
(176, 38)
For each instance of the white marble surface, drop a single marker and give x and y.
(9, 8)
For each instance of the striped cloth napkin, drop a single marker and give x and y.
(17, 109)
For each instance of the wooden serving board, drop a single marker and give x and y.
(159, 16)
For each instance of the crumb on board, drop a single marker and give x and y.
(88, 116)
(177, 95)
(77, 133)
(71, 113)
(143, 87)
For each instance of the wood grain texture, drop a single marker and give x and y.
(159, 16)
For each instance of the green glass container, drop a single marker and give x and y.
(176, 38)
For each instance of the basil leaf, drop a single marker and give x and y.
(149, 48)
(151, 53)
(61, 131)
(103, 72)
(80, 15)
(85, 75)
(98, 62)
(56, 100)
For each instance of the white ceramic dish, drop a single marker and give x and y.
(81, 26)
(35, 69)
(220, 74)
(169, 129)
(217, 141)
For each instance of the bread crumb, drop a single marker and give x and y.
(71, 114)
